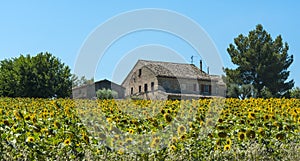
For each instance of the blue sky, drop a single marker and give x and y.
(62, 27)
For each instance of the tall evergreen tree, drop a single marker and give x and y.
(262, 62)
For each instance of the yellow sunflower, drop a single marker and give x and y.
(173, 147)
(67, 142)
(181, 130)
(131, 131)
(228, 141)
(227, 147)
(168, 117)
(30, 139)
(27, 117)
(241, 135)
(266, 117)
(174, 139)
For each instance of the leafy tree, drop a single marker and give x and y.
(262, 62)
(42, 76)
(244, 91)
(76, 82)
(295, 92)
(106, 94)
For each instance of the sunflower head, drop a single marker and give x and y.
(181, 129)
(168, 117)
(173, 147)
(30, 139)
(67, 142)
(27, 117)
(266, 117)
(174, 140)
(241, 135)
(131, 131)
(227, 147)
(183, 137)
(228, 141)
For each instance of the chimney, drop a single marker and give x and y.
(207, 70)
(200, 65)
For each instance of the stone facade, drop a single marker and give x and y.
(86, 91)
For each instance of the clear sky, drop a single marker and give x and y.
(62, 27)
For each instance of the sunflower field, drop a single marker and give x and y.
(206, 129)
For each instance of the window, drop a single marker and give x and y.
(206, 89)
(140, 72)
(152, 86)
(131, 90)
(145, 88)
(195, 87)
(140, 89)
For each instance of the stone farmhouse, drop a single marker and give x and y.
(167, 80)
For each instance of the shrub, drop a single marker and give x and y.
(106, 94)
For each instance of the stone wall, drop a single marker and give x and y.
(181, 85)
(140, 80)
(86, 91)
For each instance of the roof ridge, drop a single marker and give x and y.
(156, 61)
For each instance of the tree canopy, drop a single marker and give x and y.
(76, 82)
(295, 92)
(262, 63)
(42, 76)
